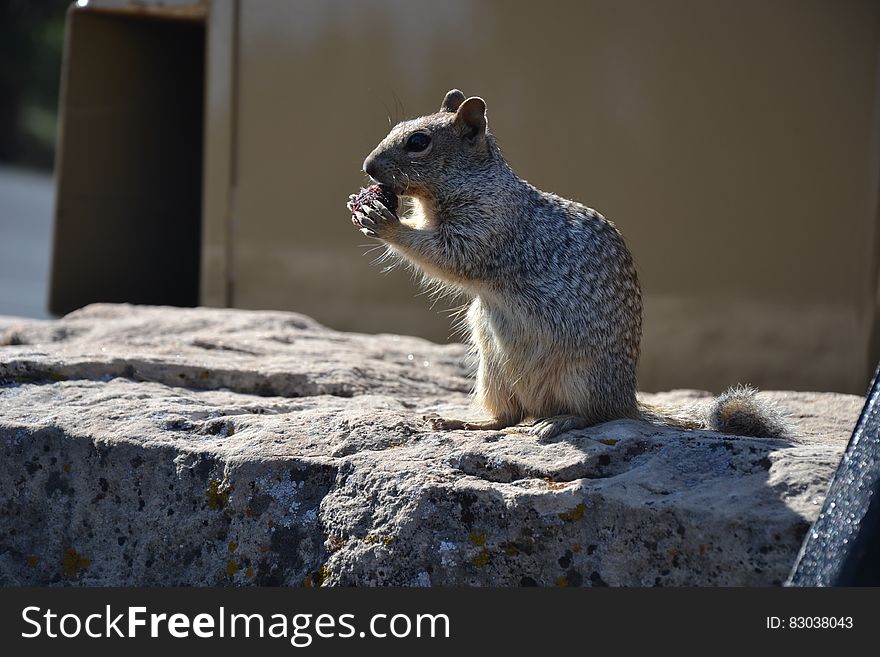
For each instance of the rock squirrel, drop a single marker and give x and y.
(556, 316)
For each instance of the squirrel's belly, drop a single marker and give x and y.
(548, 391)
(548, 373)
(569, 383)
(545, 374)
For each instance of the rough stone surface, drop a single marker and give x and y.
(160, 446)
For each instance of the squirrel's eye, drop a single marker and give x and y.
(417, 142)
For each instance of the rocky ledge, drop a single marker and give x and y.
(161, 446)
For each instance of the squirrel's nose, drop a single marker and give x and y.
(371, 168)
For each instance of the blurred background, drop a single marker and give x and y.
(31, 37)
(202, 152)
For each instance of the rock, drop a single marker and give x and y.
(161, 446)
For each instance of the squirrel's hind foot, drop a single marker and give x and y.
(550, 427)
(448, 424)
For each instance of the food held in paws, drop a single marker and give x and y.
(375, 192)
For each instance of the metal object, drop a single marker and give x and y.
(843, 547)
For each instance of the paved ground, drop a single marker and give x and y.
(26, 207)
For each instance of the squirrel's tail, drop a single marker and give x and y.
(737, 411)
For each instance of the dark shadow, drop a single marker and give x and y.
(129, 166)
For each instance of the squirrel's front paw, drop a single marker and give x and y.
(372, 218)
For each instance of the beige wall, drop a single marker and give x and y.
(733, 142)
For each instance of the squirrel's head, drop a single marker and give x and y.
(422, 157)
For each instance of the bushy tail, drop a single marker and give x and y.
(737, 411)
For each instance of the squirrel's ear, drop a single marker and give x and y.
(452, 100)
(471, 115)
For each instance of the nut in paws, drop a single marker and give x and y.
(373, 210)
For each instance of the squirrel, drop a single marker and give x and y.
(556, 313)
